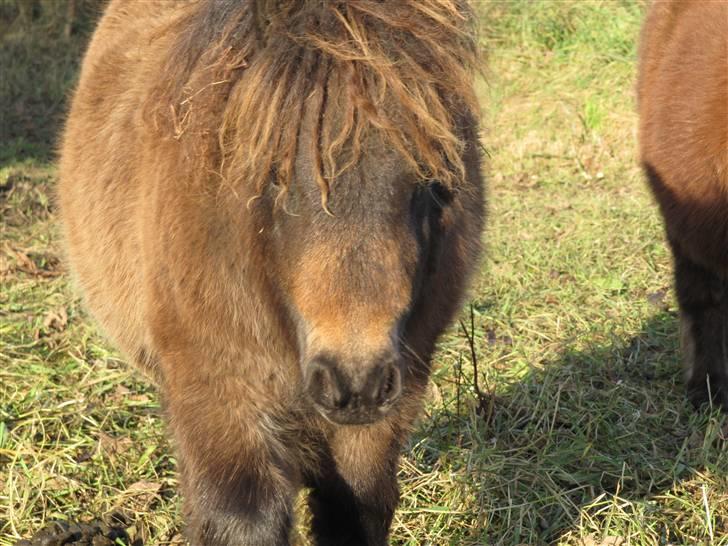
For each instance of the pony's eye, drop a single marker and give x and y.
(442, 195)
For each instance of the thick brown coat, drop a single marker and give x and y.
(276, 220)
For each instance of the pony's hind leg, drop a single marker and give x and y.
(703, 298)
(355, 492)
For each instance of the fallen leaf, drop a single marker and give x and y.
(111, 446)
(56, 319)
(593, 540)
(141, 495)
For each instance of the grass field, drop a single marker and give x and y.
(582, 436)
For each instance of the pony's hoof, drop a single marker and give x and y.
(708, 393)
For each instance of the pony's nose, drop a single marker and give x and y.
(347, 401)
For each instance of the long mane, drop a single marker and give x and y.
(401, 70)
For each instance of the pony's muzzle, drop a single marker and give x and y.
(353, 399)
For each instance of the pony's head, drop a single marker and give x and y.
(352, 122)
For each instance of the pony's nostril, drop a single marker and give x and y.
(324, 386)
(390, 386)
(344, 400)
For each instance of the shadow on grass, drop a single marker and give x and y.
(39, 64)
(593, 435)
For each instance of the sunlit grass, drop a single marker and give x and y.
(586, 438)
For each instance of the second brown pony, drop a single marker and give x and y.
(683, 106)
(273, 207)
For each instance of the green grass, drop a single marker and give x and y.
(585, 438)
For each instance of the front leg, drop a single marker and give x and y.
(703, 299)
(236, 482)
(235, 506)
(355, 493)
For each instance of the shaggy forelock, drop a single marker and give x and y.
(397, 70)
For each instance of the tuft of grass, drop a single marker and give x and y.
(579, 433)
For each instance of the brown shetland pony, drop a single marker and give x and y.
(273, 207)
(683, 106)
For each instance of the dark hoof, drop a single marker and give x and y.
(708, 393)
